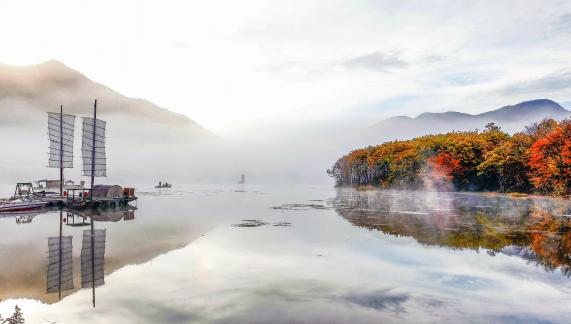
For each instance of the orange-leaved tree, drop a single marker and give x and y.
(550, 161)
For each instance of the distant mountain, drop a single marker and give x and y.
(528, 110)
(510, 118)
(523, 111)
(144, 140)
(28, 92)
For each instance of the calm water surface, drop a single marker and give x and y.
(258, 254)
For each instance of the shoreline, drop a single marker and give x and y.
(515, 195)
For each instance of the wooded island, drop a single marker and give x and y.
(536, 160)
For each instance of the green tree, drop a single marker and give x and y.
(16, 318)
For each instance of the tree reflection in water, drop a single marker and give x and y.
(537, 229)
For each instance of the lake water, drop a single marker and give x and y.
(261, 254)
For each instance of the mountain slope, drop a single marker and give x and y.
(533, 109)
(144, 139)
(510, 118)
(27, 92)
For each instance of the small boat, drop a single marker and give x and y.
(164, 185)
(20, 205)
(24, 199)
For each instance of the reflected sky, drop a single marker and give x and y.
(182, 259)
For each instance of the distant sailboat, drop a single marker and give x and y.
(242, 179)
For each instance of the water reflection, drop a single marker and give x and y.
(60, 264)
(59, 273)
(191, 261)
(93, 260)
(60, 261)
(535, 229)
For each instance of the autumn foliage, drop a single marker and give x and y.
(550, 161)
(535, 160)
(441, 169)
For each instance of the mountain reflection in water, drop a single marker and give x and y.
(537, 229)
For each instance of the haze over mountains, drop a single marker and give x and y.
(147, 143)
(28, 91)
(142, 136)
(511, 118)
(325, 150)
(523, 111)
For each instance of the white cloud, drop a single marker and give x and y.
(227, 63)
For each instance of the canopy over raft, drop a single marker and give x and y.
(107, 191)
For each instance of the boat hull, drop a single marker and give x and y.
(21, 207)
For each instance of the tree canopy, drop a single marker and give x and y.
(537, 159)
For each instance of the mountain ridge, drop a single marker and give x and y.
(527, 107)
(44, 86)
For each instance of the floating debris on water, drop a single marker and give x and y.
(299, 207)
(258, 223)
(282, 224)
(250, 223)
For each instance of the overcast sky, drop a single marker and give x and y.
(235, 65)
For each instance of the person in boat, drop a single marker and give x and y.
(160, 184)
(166, 184)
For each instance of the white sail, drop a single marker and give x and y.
(60, 132)
(99, 168)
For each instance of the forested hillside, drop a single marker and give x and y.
(536, 160)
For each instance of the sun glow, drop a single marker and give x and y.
(233, 66)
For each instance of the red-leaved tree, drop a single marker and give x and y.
(441, 170)
(550, 161)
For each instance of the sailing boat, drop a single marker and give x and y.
(60, 133)
(61, 130)
(95, 165)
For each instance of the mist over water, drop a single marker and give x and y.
(147, 143)
(142, 152)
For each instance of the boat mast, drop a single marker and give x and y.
(91, 196)
(61, 150)
(93, 147)
(61, 193)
